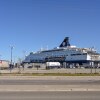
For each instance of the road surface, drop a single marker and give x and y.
(48, 82)
(49, 88)
(79, 95)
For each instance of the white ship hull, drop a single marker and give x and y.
(65, 53)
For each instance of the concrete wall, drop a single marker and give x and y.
(74, 70)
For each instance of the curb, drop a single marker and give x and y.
(52, 90)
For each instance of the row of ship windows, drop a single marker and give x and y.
(58, 55)
(78, 54)
(70, 54)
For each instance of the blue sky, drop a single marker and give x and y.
(29, 25)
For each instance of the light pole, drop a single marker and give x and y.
(91, 60)
(11, 62)
(11, 54)
(0, 61)
(0, 57)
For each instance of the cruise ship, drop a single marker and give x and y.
(67, 54)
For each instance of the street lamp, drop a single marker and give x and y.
(91, 59)
(0, 57)
(11, 62)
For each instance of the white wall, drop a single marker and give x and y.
(4, 63)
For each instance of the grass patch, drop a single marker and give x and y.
(50, 74)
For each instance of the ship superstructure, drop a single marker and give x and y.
(65, 53)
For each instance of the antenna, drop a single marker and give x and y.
(47, 47)
(41, 48)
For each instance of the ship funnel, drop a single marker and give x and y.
(65, 42)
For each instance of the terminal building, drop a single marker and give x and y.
(67, 55)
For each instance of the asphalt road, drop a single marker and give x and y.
(49, 88)
(50, 95)
(48, 82)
